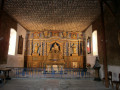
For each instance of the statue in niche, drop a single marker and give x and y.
(55, 34)
(74, 48)
(55, 48)
(49, 34)
(36, 48)
(64, 34)
(55, 53)
(35, 52)
(61, 35)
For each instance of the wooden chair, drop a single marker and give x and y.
(2, 77)
(117, 83)
(109, 77)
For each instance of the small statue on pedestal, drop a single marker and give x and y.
(96, 67)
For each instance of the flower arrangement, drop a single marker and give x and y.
(88, 65)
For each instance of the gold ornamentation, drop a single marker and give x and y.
(64, 34)
(45, 33)
(36, 35)
(35, 53)
(74, 36)
(74, 48)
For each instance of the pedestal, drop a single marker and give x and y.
(74, 54)
(97, 77)
(35, 54)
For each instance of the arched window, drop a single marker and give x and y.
(95, 43)
(12, 42)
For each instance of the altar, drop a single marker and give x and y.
(54, 50)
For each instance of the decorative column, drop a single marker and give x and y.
(41, 49)
(45, 49)
(69, 48)
(30, 47)
(79, 47)
(64, 48)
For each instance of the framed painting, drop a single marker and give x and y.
(20, 45)
(88, 45)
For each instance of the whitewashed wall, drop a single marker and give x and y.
(114, 69)
(89, 57)
(17, 60)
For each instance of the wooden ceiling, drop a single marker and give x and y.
(66, 15)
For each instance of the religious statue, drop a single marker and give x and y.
(55, 54)
(49, 34)
(55, 48)
(97, 67)
(74, 48)
(35, 53)
(36, 48)
(61, 35)
(64, 34)
(45, 33)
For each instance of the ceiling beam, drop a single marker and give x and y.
(109, 8)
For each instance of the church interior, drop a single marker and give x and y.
(65, 34)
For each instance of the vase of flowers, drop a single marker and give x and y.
(88, 65)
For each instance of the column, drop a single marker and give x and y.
(41, 49)
(30, 47)
(64, 48)
(69, 48)
(105, 64)
(79, 47)
(45, 49)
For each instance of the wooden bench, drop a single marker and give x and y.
(6, 72)
(117, 83)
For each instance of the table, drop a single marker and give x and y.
(6, 72)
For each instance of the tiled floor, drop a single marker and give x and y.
(53, 84)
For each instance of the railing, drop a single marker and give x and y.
(53, 73)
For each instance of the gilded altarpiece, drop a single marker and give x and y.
(54, 48)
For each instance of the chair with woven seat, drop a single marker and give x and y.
(117, 83)
(109, 77)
